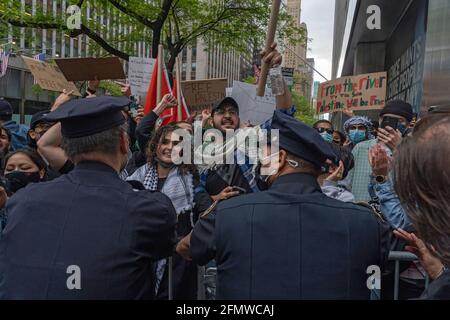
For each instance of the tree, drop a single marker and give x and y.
(177, 24)
(305, 112)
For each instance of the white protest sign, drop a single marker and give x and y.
(140, 74)
(251, 107)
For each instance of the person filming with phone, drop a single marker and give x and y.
(394, 120)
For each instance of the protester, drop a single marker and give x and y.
(255, 262)
(325, 129)
(5, 143)
(412, 275)
(19, 132)
(38, 126)
(222, 180)
(359, 177)
(89, 218)
(22, 167)
(179, 183)
(339, 138)
(332, 182)
(358, 129)
(421, 180)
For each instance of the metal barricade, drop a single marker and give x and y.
(402, 256)
(206, 289)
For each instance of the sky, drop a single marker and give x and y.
(319, 16)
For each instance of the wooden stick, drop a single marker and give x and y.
(179, 96)
(269, 40)
(160, 74)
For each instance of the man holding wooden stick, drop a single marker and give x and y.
(219, 180)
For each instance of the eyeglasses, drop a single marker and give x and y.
(321, 130)
(231, 112)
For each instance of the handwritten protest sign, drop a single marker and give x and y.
(253, 108)
(140, 74)
(203, 94)
(81, 69)
(49, 77)
(361, 92)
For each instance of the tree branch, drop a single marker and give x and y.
(73, 33)
(145, 21)
(159, 22)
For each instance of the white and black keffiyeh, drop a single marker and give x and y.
(180, 190)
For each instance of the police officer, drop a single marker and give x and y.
(291, 241)
(87, 234)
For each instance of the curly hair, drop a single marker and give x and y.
(152, 147)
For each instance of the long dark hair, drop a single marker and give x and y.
(422, 182)
(33, 155)
(156, 140)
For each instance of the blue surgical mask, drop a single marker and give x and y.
(356, 136)
(326, 136)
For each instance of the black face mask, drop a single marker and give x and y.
(18, 179)
(165, 165)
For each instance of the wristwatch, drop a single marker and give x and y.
(381, 179)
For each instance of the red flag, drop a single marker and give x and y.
(184, 109)
(150, 101)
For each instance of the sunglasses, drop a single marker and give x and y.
(321, 130)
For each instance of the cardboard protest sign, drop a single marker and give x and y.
(139, 74)
(81, 69)
(49, 77)
(253, 108)
(203, 94)
(361, 92)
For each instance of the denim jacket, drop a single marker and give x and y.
(390, 204)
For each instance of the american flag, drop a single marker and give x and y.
(4, 57)
(40, 57)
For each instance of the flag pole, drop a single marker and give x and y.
(269, 40)
(159, 74)
(179, 96)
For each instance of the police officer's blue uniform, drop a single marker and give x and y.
(292, 241)
(87, 234)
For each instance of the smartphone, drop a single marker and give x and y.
(241, 190)
(389, 121)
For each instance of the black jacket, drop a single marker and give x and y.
(88, 218)
(291, 242)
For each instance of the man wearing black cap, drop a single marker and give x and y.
(360, 176)
(221, 179)
(18, 131)
(38, 126)
(86, 234)
(292, 241)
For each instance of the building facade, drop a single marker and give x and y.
(198, 63)
(17, 85)
(295, 55)
(412, 46)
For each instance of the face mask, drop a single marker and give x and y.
(265, 178)
(357, 136)
(326, 136)
(165, 165)
(18, 179)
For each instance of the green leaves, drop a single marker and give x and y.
(305, 112)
